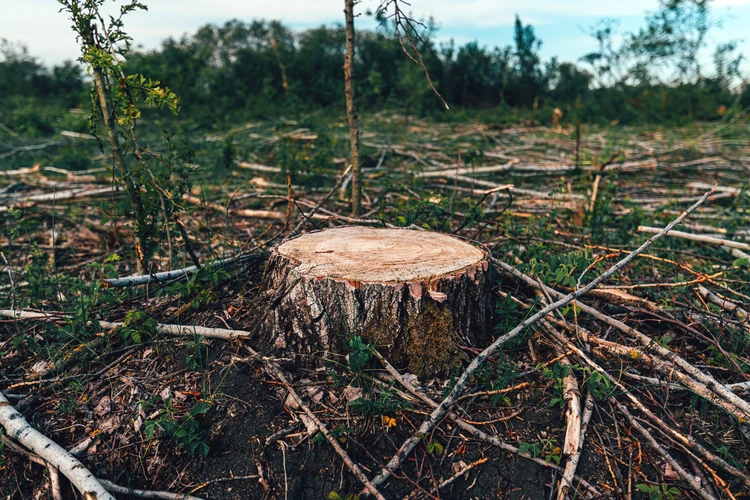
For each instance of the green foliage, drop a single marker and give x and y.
(359, 357)
(599, 385)
(560, 270)
(622, 79)
(659, 492)
(152, 181)
(557, 373)
(546, 447)
(185, 430)
(339, 433)
(495, 375)
(198, 290)
(197, 355)
(138, 326)
(335, 496)
(434, 448)
(382, 400)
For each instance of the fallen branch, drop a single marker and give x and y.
(473, 431)
(566, 482)
(166, 276)
(178, 330)
(687, 477)
(353, 467)
(55, 455)
(698, 237)
(695, 374)
(132, 492)
(321, 202)
(440, 412)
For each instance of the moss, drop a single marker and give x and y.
(432, 345)
(383, 330)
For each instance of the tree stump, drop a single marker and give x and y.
(416, 295)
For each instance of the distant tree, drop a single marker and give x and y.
(674, 36)
(568, 83)
(530, 82)
(609, 60)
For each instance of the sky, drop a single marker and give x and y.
(562, 25)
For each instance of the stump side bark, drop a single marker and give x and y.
(417, 296)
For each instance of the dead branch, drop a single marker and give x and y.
(440, 412)
(150, 494)
(473, 431)
(566, 482)
(18, 429)
(698, 237)
(274, 371)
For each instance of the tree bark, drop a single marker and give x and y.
(351, 110)
(416, 295)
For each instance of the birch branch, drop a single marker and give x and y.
(440, 412)
(572, 463)
(702, 238)
(55, 455)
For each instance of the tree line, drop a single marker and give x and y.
(227, 72)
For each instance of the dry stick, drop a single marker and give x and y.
(54, 483)
(55, 455)
(685, 475)
(668, 370)
(572, 396)
(687, 441)
(131, 492)
(493, 440)
(321, 202)
(172, 275)
(570, 466)
(203, 331)
(724, 303)
(698, 237)
(351, 110)
(276, 372)
(448, 481)
(440, 412)
(653, 347)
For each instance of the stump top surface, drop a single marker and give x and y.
(379, 255)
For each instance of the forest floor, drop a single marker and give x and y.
(203, 416)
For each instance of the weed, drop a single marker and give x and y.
(185, 431)
(659, 492)
(138, 326)
(197, 354)
(545, 447)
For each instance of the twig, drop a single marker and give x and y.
(445, 405)
(175, 274)
(448, 481)
(322, 202)
(224, 480)
(55, 455)
(277, 373)
(215, 333)
(566, 482)
(697, 375)
(132, 492)
(688, 478)
(698, 237)
(493, 440)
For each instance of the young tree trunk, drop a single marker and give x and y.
(119, 159)
(416, 295)
(351, 110)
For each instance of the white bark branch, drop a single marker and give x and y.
(55, 455)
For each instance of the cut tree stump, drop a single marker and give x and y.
(416, 295)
